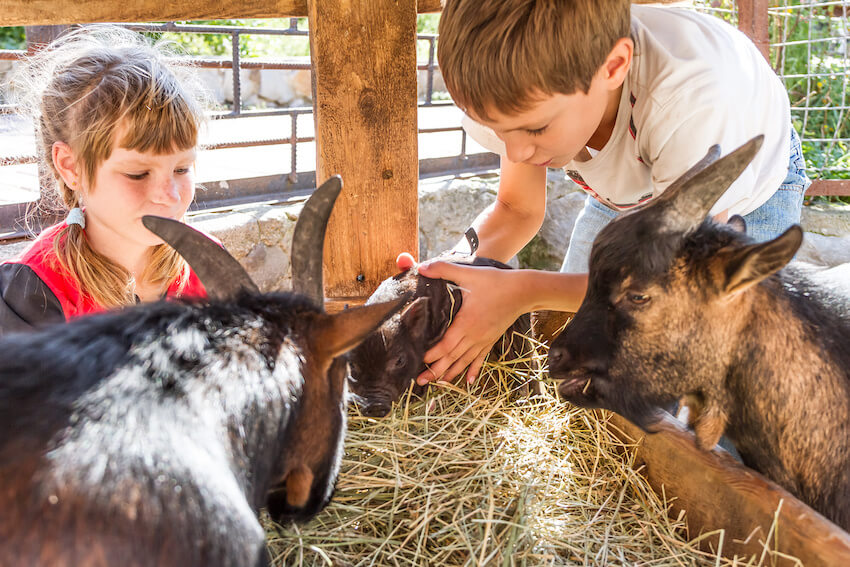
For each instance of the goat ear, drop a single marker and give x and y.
(738, 223)
(415, 317)
(688, 200)
(333, 335)
(750, 265)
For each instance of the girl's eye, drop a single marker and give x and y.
(136, 176)
(537, 131)
(182, 170)
(638, 298)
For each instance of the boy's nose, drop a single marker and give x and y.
(518, 151)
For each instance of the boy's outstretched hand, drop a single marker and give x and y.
(490, 304)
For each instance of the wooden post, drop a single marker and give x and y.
(753, 20)
(364, 58)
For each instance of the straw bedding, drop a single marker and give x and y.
(481, 476)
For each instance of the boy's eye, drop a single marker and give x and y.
(537, 131)
(136, 176)
(181, 170)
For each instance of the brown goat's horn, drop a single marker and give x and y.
(220, 273)
(689, 199)
(308, 240)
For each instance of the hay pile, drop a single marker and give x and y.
(471, 478)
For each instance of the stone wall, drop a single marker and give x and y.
(260, 235)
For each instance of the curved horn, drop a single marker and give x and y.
(220, 273)
(692, 198)
(308, 240)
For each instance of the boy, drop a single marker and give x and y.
(625, 101)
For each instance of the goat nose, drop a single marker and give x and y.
(376, 410)
(558, 357)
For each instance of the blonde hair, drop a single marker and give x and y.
(85, 88)
(499, 53)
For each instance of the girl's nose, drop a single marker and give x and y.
(167, 192)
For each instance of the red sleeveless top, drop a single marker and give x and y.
(41, 258)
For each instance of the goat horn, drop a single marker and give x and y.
(308, 240)
(222, 275)
(689, 199)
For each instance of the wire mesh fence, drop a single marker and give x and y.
(808, 48)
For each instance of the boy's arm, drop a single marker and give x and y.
(516, 215)
(490, 302)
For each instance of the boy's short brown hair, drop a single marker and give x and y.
(496, 53)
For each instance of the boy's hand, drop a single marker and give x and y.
(489, 307)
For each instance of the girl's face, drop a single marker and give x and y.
(131, 184)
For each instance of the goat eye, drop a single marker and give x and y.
(397, 362)
(638, 298)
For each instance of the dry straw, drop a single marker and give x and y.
(481, 476)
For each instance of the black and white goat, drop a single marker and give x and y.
(154, 435)
(679, 306)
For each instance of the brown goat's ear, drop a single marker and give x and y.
(738, 223)
(750, 265)
(333, 335)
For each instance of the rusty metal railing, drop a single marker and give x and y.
(231, 191)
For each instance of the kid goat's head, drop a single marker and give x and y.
(664, 302)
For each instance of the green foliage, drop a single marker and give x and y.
(12, 38)
(250, 45)
(821, 87)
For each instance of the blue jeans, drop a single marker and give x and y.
(765, 223)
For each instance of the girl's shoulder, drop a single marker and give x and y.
(26, 301)
(41, 261)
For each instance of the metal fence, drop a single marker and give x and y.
(226, 192)
(807, 48)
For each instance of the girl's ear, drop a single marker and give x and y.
(66, 164)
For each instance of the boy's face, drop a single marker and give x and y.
(557, 127)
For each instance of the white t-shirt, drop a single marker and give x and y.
(695, 81)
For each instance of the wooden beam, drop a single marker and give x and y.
(832, 187)
(364, 57)
(717, 492)
(52, 12)
(753, 20)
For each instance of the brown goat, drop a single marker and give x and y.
(679, 306)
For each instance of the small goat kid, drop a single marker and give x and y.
(153, 435)
(679, 306)
(385, 364)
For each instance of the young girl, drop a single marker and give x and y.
(118, 131)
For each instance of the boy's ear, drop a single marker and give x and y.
(65, 163)
(748, 266)
(618, 62)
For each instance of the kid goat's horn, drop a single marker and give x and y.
(222, 275)
(308, 240)
(689, 199)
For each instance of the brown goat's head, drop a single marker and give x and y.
(664, 303)
(313, 450)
